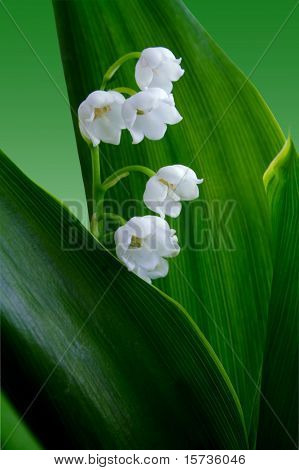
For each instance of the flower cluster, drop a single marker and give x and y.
(143, 244)
(104, 114)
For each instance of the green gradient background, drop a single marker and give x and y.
(35, 120)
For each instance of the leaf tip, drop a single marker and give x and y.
(280, 164)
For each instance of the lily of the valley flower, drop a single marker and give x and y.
(168, 187)
(143, 243)
(157, 67)
(147, 113)
(100, 117)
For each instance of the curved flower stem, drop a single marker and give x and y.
(99, 189)
(125, 90)
(114, 67)
(123, 172)
(114, 217)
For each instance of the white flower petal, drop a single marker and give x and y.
(158, 67)
(123, 236)
(141, 257)
(160, 81)
(168, 114)
(154, 195)
(143, 75)
(172, 195)
(144, 255)
(142, 101)
(122, 255)
(117, 97)
(143, 274)
(172, 173)
(187, 190)
(173, 209)
(152, 56)
(152, 128)
(129, 113)
(105, 131)
(188, 172)
(105, 125)
(115, 116)
(161, 270)
(165, 243)
(170, 207)
(172, 70)
(166, 53)
(141, 227)
(154, 190)
(180, 182)
(157, 95)
(85, 112)
(137, 135)
(148, 112)
(85, 131)
(99, 99)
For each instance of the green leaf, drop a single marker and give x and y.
(22, 438)
(228, 136)
(278, 426)
(106, 361)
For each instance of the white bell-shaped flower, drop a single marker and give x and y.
(157, 67)
(100, 117)
(147, 114)
(143, 243)
(168, 187)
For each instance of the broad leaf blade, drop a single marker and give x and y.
(228, 136)
(278, 426)
(109, 361)
(15, 434)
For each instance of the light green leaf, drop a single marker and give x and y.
(106, 360)
(278, 426)
(228, 136)
(22, 438)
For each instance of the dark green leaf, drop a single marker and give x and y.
(105, 360)
(278, 426)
